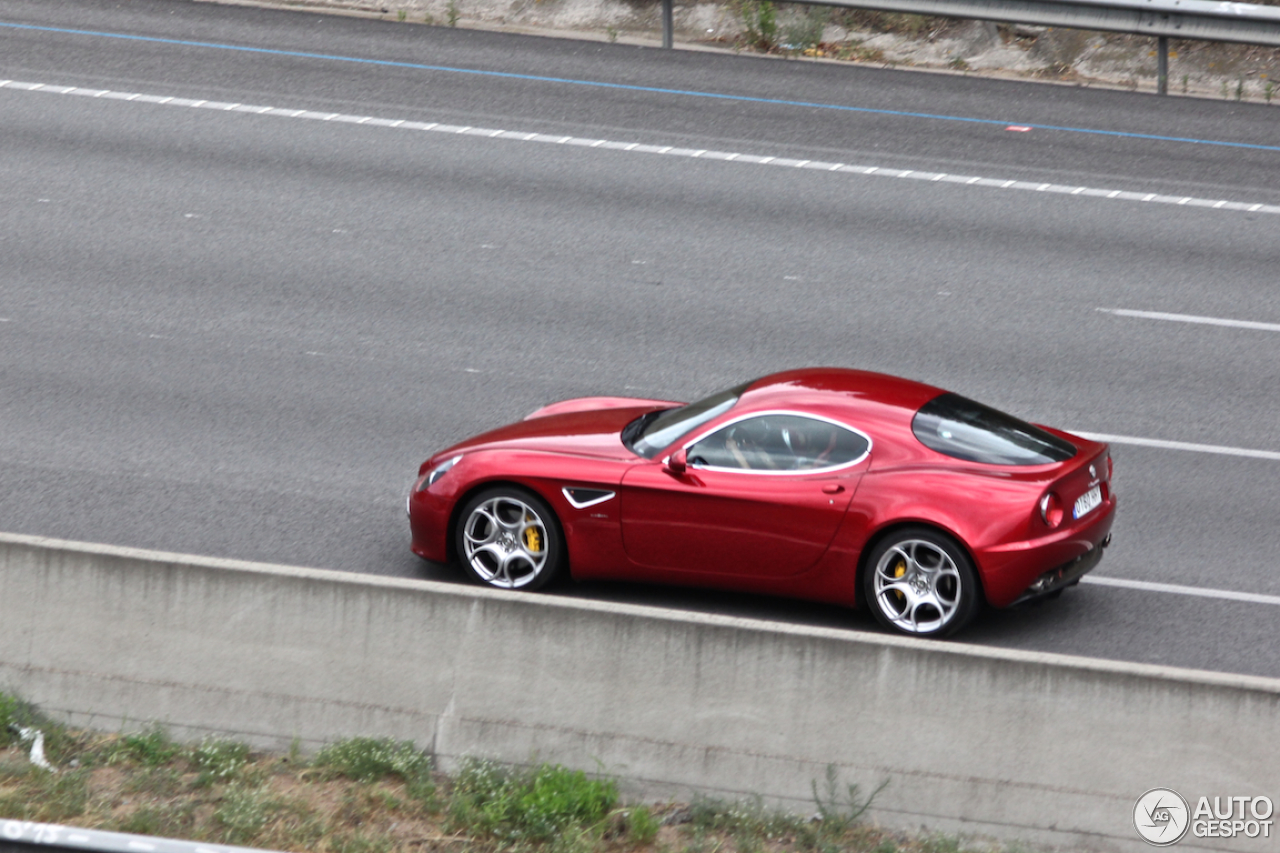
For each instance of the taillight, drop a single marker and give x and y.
(1051, 509)
(1111, 468)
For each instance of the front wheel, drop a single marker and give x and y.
(919, 582)
(508, 538)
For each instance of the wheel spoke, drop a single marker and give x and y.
(492, 549)
(484, 540)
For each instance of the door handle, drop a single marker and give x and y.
(832, 489)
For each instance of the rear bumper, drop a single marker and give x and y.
(1065, 575)
(1009, 570)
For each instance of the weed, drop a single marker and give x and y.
(369, 759)
(219, 760)
(740, 819)
(401, 15)
(357, 842)
(1240, 89)
(156, 781)
(807, 32)
(422, 790)
(451, 13)
(151, 747)
(611, 33)
(243, 813)
(908, 24)
(760, 21)
(1184, 83)
(429, 19)
(941, 844)
(840, 815)
(958, 63)
(547, 802)
(14, 714)
(1224, 90)
(170, 821)
(47, 797)
(640, 825)
(857, 53)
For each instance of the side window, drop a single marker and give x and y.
(778, 443)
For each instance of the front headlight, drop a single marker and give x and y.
(437, 472)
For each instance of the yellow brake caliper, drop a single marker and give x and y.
(898, 571)
(532, 538)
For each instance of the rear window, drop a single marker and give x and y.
(967, 430)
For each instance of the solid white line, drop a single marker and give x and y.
(1180, 445)
(1191, 318)
(1175, 589)
(719, 155)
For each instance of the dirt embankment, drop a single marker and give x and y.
(811, 33)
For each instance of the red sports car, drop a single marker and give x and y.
(826, 484)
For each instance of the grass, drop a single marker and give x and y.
(760, 23)
(369, 795)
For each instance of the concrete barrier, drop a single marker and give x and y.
(1041, 747)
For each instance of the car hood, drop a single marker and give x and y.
(595, 432)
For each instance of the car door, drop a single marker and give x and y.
(760, 496)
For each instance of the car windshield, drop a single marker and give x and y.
(967, 430)
(649, 434)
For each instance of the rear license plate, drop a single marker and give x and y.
(1088, 502)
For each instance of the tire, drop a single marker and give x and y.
(919, 582)
(508, 537)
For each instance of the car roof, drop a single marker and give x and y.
(836, 389)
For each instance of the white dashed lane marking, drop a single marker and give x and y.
(1191, 318)
(1176, 589)
(1162, 444)
(736, 157)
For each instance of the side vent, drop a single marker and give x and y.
(581, 498)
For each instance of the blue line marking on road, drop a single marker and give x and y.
(633, 88)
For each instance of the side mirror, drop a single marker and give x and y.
(677, 463)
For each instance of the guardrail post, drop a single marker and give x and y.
(1162, 65)
(667, 25)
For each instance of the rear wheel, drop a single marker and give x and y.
(919, 582)
(508, 538)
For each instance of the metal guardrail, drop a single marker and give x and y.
(1197, 20)
(20, 836)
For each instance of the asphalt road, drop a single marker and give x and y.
(238, 334)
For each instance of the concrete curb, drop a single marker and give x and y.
(1048, 748)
